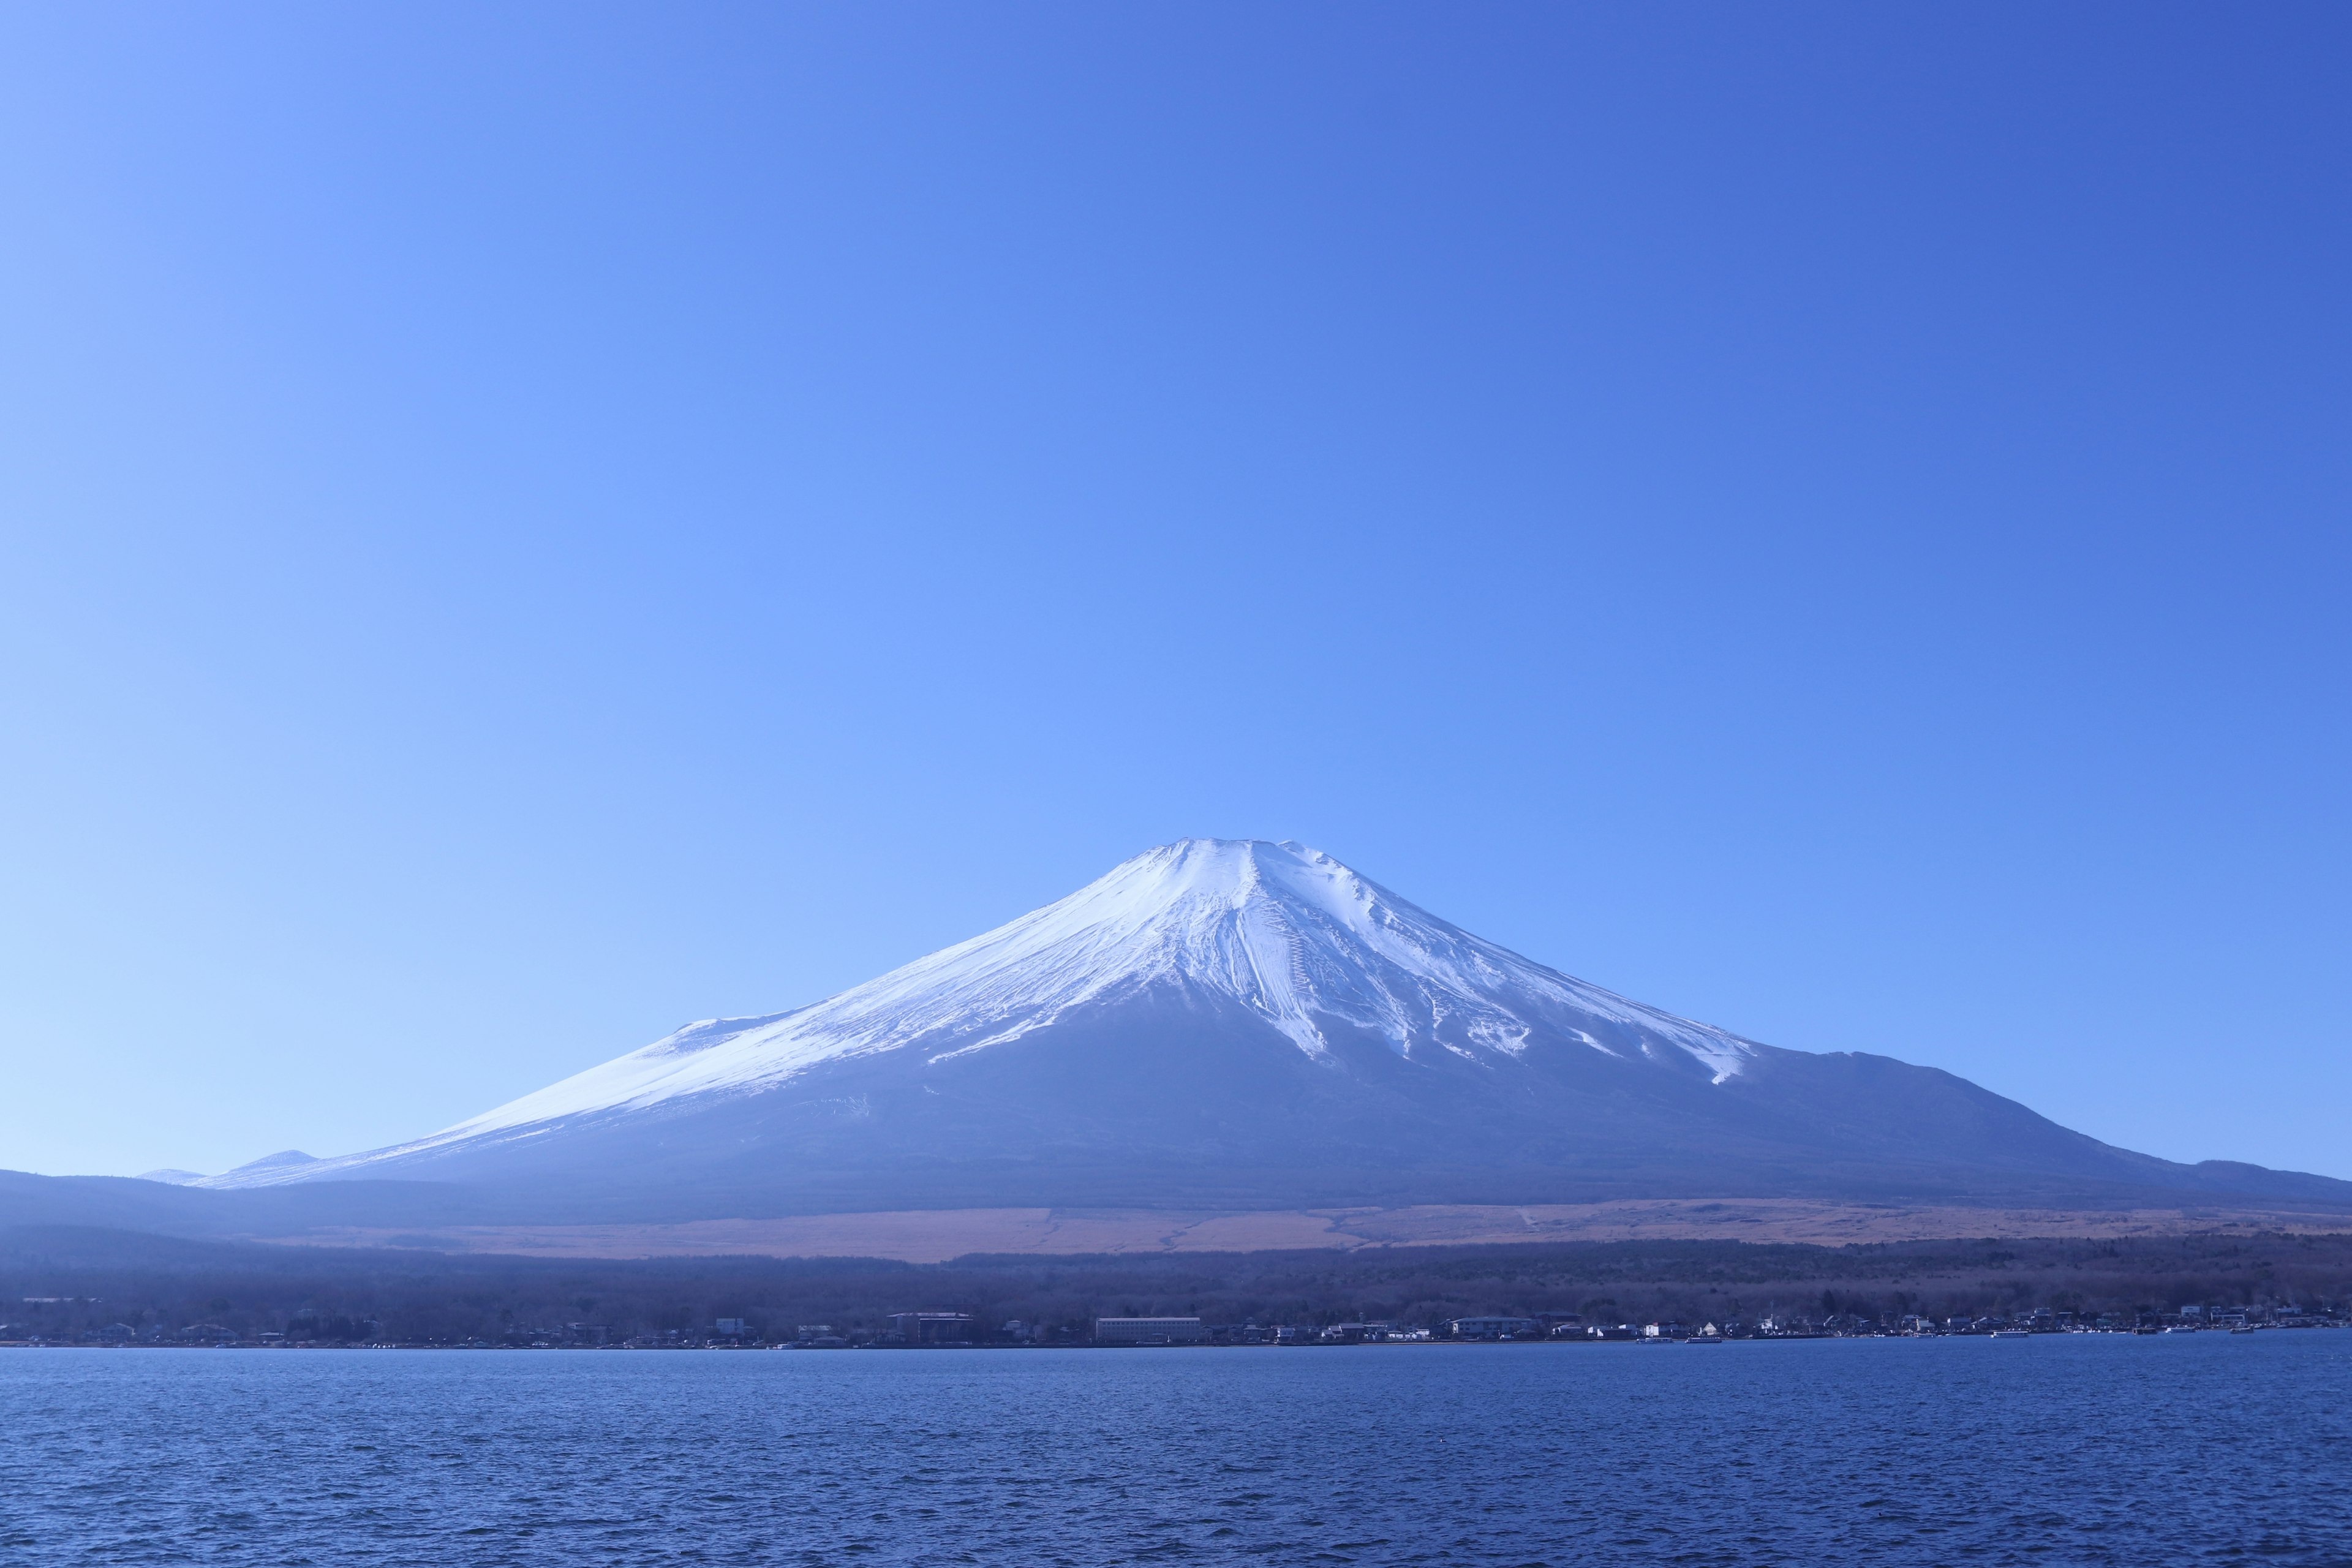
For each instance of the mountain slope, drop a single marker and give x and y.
(1240, 1023)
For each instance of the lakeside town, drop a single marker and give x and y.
(965, 1331)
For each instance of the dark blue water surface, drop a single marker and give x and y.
(2087, 1449)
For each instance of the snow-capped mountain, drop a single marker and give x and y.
(1224, 1021)
(1284, 934)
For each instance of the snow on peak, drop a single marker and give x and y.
(1286, 931)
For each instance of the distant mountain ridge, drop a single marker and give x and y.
(1241, 1024)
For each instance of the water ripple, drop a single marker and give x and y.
(2074, 1450)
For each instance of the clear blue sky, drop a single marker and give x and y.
(527, 525)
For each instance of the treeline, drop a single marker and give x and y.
(68, 1283)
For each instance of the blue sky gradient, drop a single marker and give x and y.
(521, 526)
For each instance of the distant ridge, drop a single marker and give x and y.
(1243, 1025)
(286, 1162)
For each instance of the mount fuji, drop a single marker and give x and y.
(1248, 1025)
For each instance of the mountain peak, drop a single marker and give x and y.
(1219, 1022)
(1282, 940)
(1203, 877)
(1235, 866)
(1278, 934)
(282, 1159)
(1222, 1022)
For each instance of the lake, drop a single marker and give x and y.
(2060, 1449)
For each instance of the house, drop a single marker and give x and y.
(1493, 1328)
(1356, 1333)
(1149, 1331)
(934, 1328)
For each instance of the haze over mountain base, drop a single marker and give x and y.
(937, 1236)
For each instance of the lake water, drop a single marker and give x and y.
(2075, 1449)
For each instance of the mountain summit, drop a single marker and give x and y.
(1278, 934)
(1238, 1023)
